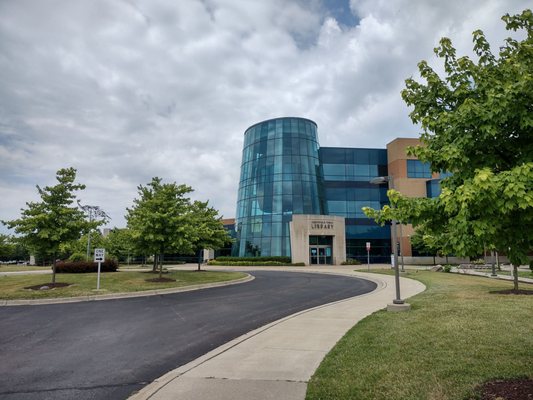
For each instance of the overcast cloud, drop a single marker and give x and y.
(127, 90)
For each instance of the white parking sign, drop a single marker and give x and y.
(99, 255)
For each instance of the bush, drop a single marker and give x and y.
(77, 257)
(81, 267)
(446, 268)
(351, 261)
(280, 259)
(531, 265)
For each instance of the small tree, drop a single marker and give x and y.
(477, 124)
(160, 219)
(424, 247)
(47, 224)
(120, 243)
(207, 231)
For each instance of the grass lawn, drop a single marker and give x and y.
(456, 336)
(134, 266)
(12, 287)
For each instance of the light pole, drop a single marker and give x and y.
(397, 304)
(493, 264)
(92, 212)
(401, 248)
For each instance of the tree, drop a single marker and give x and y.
(12, 248)
(120, 243)
(6, 247)
(76, 250)
(207, 231)
(159, 219)
(47, 224)
(93, 213)
(477, 124)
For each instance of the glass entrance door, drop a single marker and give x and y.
(320, 250)
(313, 255)
(320, 254)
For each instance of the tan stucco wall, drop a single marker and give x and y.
(396, 149)
(303, 226)
(410, 187)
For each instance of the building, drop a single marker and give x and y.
(280, 176)
(301, 200)
(346, 176)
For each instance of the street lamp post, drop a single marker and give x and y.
(397, 304)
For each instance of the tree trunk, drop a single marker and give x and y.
(54, 269)
(199, 260)
(161, 265)
(154, 267)
(515, 277)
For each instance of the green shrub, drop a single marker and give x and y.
(280, 259)
(479, 261)
(78, 257)
(446, 268)
(531, 265)
(81, 267)
(351, 261)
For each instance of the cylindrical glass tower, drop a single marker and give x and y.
(279, 177)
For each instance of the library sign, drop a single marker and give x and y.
(322, 225)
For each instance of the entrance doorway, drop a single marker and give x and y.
(320, 250)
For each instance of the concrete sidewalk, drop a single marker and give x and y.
(27, 272)
(276, 361)
(488, 275)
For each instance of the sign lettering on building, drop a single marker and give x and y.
(321, 224)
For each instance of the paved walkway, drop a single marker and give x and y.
(488, 275)
(36, 272)
(277, 360)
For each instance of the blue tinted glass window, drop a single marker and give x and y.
(334, 169)
(418, 169)
(279, 177)
(433, 188)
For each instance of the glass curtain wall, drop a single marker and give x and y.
(347, 173)
(280, 176)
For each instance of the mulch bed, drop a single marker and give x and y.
(47, 286)
(160, 280)
(512, 389)
(511, 291)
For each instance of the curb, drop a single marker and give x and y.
(115, 296)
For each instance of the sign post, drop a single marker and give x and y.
(99, 256)
(368, 255)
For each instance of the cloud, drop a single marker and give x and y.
(124, 91)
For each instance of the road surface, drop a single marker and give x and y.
(109, 349)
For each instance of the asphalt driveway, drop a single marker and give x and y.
(109, 349)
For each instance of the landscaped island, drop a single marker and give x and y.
(16, 287)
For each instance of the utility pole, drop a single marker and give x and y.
(92, 212)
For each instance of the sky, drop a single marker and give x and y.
(125, 90)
